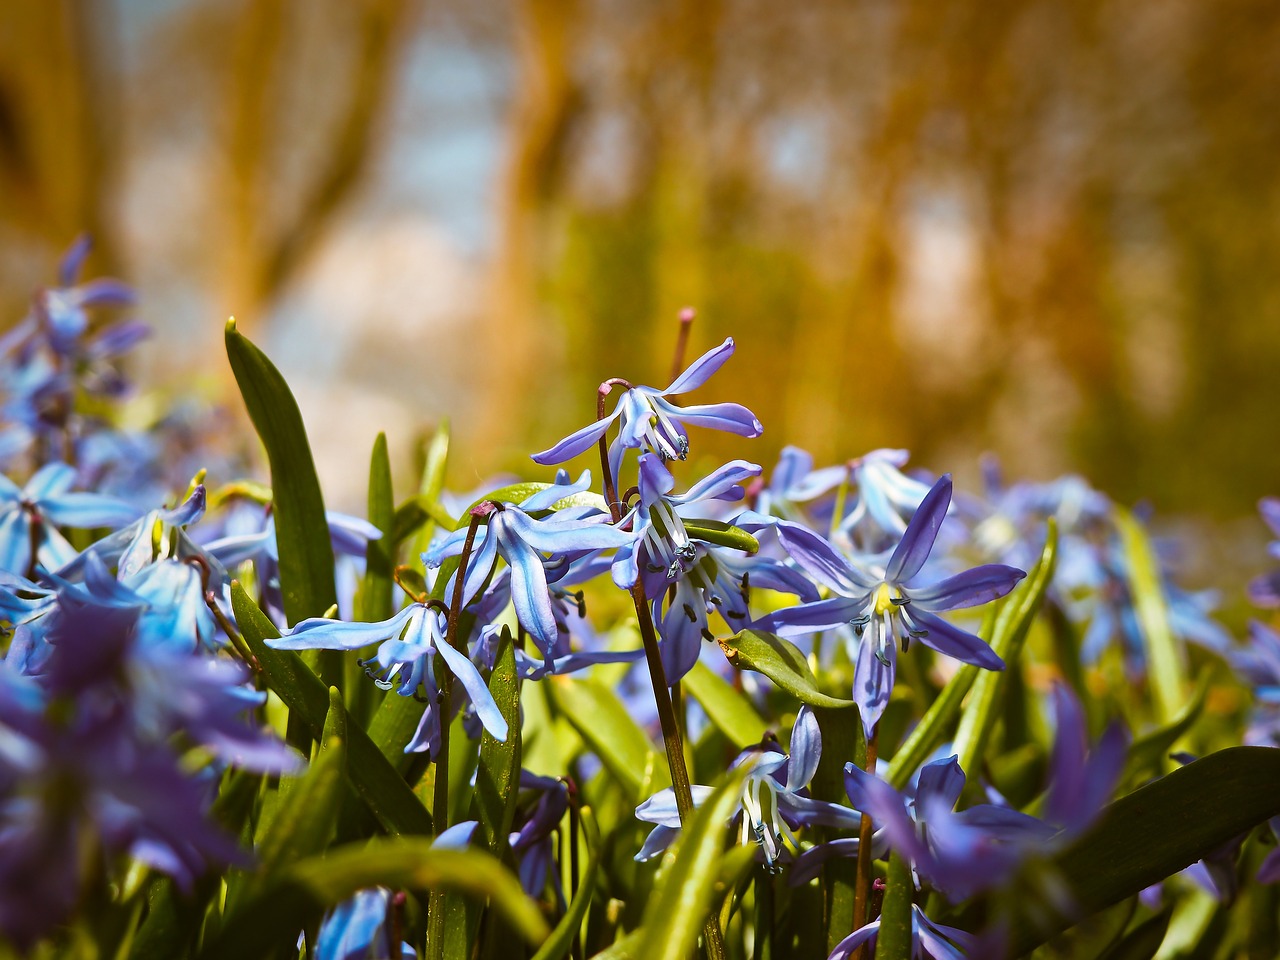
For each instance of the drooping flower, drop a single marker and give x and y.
(408, 643)
(531, 547)
(884, 605)
(928, 939)
(649, 421)
(774, 802)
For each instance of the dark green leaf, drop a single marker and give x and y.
(1012, 625)
(308, 888)
(1148, 754)
(603, 723)
(415, 513)
(1162, 828)
(722, 534)
(302, 533)
(376, 781)
(685, 891)
(727, 708)
(498, 775)
(781, 662)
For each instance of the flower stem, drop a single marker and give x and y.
(440, 802)
(682, 341)
(863, 884)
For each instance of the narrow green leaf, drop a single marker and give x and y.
(1142, 942)
(722, 534)
(561, 940)
(308, 888)
(685, 891)
(730, 711)
(415, 513)
(603, 723)
(1149, 753)
(376, 592)
(432, 484)
(498, 775)
(781, 662)
(1012, 625)
(1165, 657)
(382, 789)
(1160, 829)
(894, 939)
(302, 533)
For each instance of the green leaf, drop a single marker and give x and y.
(1142, 942)
(1160, 829)
(781, 662)
(730, 711)
(559, 943)
(1149, 753)
(1012, 625)
(722, 534)
(603, 723)
(415, 513)
(498, 775)
(302, 533)
(432, 485)
(308, 888)
(376, 591)
(1165, 656)
(686, 889)
(387, 796)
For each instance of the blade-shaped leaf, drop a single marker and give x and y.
(728, 709)
(603, 723)
(781, 662)
(1165, 655)
(721, 534)
(1160, 829)
(375, 593)
(382, 789)
(311, 886)
(302, 533)
(1148, 753)
(498, 775)
(686, 890)
(1012, 626)
(561, 940)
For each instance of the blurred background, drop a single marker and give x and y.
(1045, 229)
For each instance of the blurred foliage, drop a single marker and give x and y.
(1046, 229)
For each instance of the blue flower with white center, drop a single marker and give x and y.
(885, 607)
(649, 421)
(773, 803)
(530, 546)
(30, 516)
(408, 644)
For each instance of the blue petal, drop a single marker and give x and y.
(968, 589)
(15, 542)
(317, 633)
(528, 587)
(812, 617)
(656, 842)
(954, 642)
(817, 557)
(846, 947)
(661, 807)
(917, 542)
(723, 483)
(561, 536)
(49, 481)
(654, 480)
(941, 780)
(873, 680)
(548, 498)
(698, 372)
(84, 510)
(806, 749)
(729, 417)
(481, 698)
(577, 442)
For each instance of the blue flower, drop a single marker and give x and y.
(30, 516)
(360, 929)
(928, 939)
(884, 606)
(773, 803)
(522, 541)
(408, 643)
(649, 421)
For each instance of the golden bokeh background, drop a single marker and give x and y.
(1048, 229)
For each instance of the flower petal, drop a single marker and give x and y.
(577, 442)
(698, 372)
(968, 589)
(806, 749)
(954, 642)
(819, 559)
(467, 674)
(317, 633)
(916, 543)
(808, 618)
(941, 780)
(729, 417)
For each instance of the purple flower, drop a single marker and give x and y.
(883, 605)
(1265, 589)
(649, 421)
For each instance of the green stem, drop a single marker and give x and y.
(863, 885)
(894, 939)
